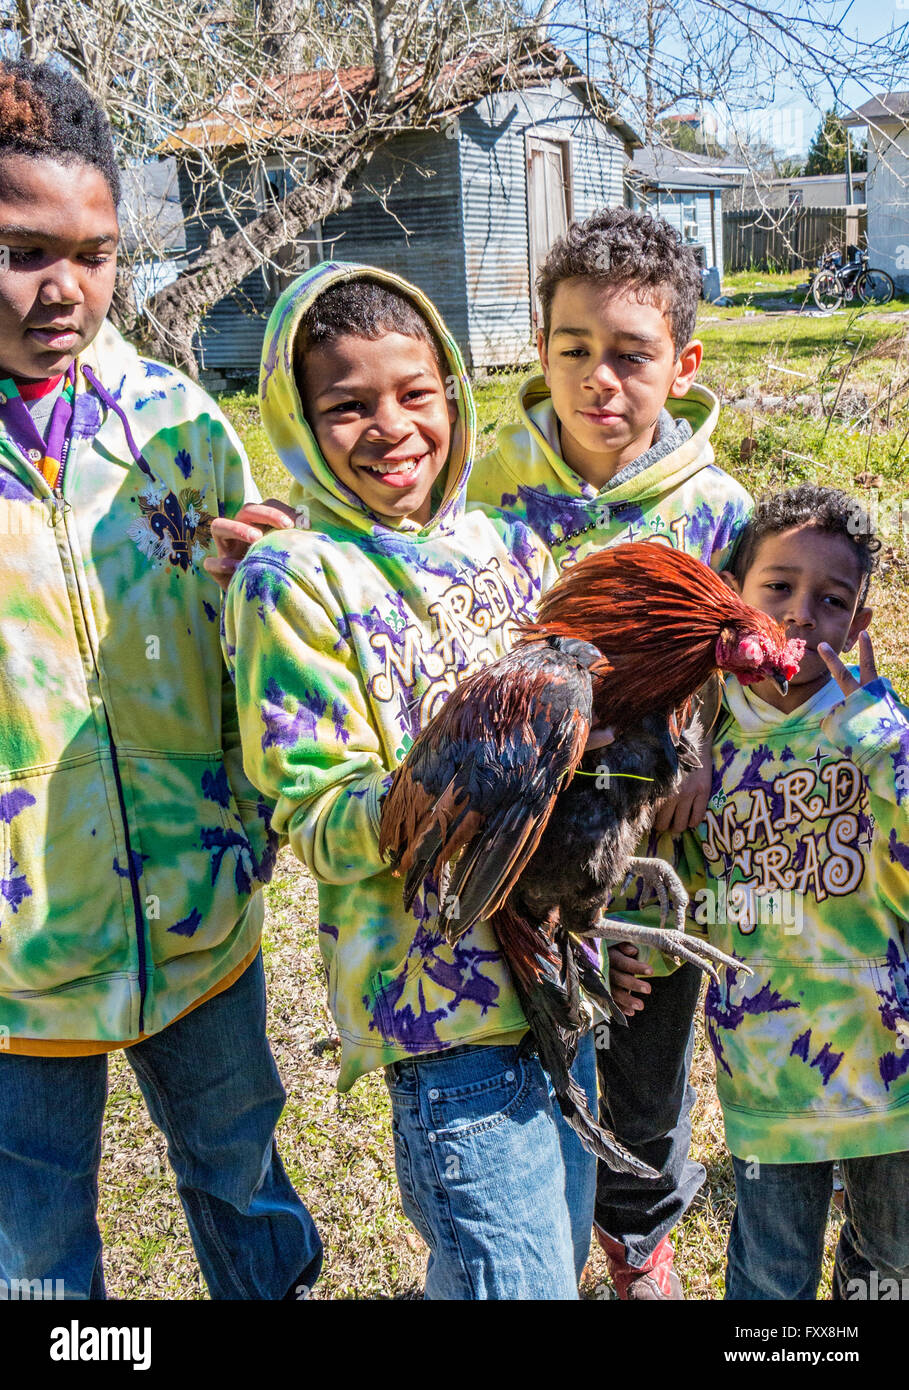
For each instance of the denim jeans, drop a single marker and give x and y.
(776, 1244)
(646, 1099)
(210, 1083)
(487, 1172)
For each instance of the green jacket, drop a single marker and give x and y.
(345, 636)
(132, 845)
(681, 499)
(806, 856)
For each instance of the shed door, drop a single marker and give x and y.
(548, 207)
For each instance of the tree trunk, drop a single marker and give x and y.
(282, 39)
(176, 311)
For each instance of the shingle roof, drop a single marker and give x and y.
(886, 106)
(670, 168)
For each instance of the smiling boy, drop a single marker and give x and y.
(345, 635)
(613, 444)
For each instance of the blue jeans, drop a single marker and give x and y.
(646, 1099)
(776, 1244)
(499, 1188)
(210, 1083)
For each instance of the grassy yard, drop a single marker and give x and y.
(338, 1149)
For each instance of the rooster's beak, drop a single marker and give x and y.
(780, 682)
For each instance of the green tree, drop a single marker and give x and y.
(827, 152)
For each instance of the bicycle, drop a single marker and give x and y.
(836, 282)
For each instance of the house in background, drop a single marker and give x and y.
(813, 191)
(887, 183)
(687, 191)
(152, 234)
(465, 212)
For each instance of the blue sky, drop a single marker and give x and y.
(787, 118)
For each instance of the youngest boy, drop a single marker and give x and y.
(806, 848)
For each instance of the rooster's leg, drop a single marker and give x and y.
(667, 885)
(663, 880)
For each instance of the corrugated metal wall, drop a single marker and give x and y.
(670, 204)
(454, 222)
(494, 192)
(888, 202)
(418, 233)
(230, 339)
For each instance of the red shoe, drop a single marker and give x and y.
(654, 1280)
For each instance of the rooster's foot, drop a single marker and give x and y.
(663, 881)
(676, 944)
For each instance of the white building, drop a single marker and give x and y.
(887, 184)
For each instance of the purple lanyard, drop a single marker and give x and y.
(47, 455)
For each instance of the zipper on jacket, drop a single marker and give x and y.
(61, 507)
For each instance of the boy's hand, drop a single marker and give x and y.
(688, 807)
(624, 983)
(599, 738)
(233, 537)
(841, 673)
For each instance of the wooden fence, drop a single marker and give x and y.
(788, 238)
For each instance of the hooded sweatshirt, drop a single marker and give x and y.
(806, 853)
(345, 636)
(132, 845)
(679, 496)
(674, 493)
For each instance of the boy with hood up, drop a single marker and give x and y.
(344, 635)
(613, 444)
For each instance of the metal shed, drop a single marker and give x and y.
(686, 190)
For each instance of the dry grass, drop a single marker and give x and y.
(338, 1150)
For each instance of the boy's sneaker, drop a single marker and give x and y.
(654, 1280)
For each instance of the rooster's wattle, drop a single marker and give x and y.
(497, 804)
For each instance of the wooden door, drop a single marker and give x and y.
(548, 204)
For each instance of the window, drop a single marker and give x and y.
(291, 260)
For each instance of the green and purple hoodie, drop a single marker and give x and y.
(345, 635)
(673, 494)
(131, 844)
(806, 855)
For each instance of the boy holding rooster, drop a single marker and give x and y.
(806, 854)
(345, 635)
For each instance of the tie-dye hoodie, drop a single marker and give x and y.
(132, 845)
(678, 497)
(345, 636)
(806, 852)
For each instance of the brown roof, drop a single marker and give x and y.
(886, 106)
(326, 101)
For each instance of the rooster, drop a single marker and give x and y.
(498, 805)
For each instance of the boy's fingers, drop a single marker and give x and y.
(272, 513)
(628, 1003)
(838, 670)
(231, 531)
(628, 983)
(620, 952)
(282, 508)
(220, 569)
(599, 738)
(867, 663)
(664, 813)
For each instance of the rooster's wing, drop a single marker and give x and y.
(479, 782)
